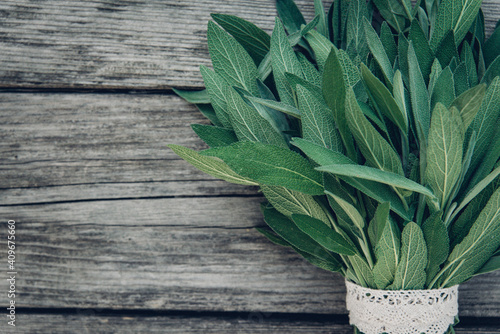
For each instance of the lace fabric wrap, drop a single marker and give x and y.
(401, 311)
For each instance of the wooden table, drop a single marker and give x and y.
(116, 234)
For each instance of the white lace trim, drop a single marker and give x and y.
(401, 311)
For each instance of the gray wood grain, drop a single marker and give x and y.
(126, 44)
(93, 321)
(67, 147)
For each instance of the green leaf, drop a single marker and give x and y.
(444, 152)
(193, 96)
(410, 273)
(273, 237)
(209, 112)
(334, 84)
(378, 52)
(311, 74)
(468, 103)
(483, 123)
(210, 165)
(255, 40)
(373, 146)
(377, 175)
(279, 106)
(444, 89)
(283, 60)
(422, 49)
(375, 190)
(447, 50)
(455, 15)
(383, 100)
(492, 72)
(400, 93)
(387, 252)
(289, 202)
(393, 12)
(476, 248)
(403, 45)
(363, 271)
(271, 165)
(321, 47)
(419, 96)
(319, 10)
(461, 79)
(289, 232)
(355, 34)
(214, 136)
(435, 73)
(230, 60)
(333, 264)
(391, 49)
(378, 222)
(491, 49)
(349, 209)
(438, 243)
(490, 266)
(318, 124)
(216, 87)
(290, 14)
(468, 58)
(248, 124)
(323, 235)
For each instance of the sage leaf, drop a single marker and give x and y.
(447, 50)
(490, 266)
(283, 60)
(217, 87)
(379, 192)
(492, 72)
(377, 224)
(311, 74)
(378, 52)
(468, 58)
(208, 111)
(323, 235)
(483, 124)
(423, 52)
(444, 89)
(210, 165)
(349, 209)
(214, 136)
(491, 48)
(253, 39)
(461, 79)
(279, 106)
(355, 34)
(290, 15)
(321, 47)
(377, 175)
(476, 248)
(419, 96)
(435, 73)
(334, 90)
(438, 243)
(191, 96)
(270, 165)
(319, 10)
(383, 100)
(455, 15)
(230, 60)
(273, 237)
(289, 232)
(444, 152)
(363, 271)
(388, 42)
(410, 272)
(318, 124)
(289, 202)
(393, 12)
(248, 124)
(374, 147)
(387, 253)
(469, 102)
(332, 264)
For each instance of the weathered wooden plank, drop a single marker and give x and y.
(137, 44)
(198, 254)
(66, 147)
(122, 44)
(93, 321)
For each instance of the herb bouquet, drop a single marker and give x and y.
(372, 131)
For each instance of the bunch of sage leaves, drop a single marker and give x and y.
(372, 132)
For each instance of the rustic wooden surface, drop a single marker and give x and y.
(115, 232)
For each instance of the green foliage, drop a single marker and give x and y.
(376, 144)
